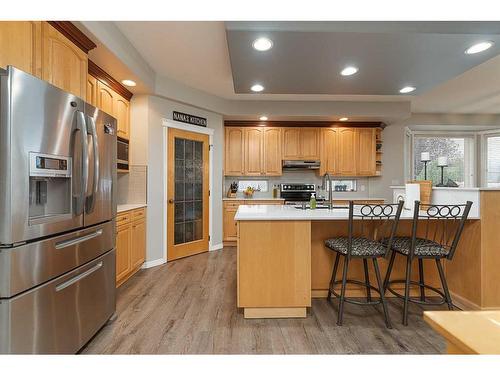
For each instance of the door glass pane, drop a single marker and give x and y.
(188, 213)
(493, 162)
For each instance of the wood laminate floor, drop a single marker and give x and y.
(189, 306)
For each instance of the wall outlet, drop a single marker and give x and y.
(362, 187)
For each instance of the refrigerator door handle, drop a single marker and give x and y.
(82, 128)
(76, 241)
(95, 180)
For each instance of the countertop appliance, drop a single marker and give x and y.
(57, 209)
(297, 165)
(296, 194)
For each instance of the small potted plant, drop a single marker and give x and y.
(248, 192)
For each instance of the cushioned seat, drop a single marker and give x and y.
(362, 247)
(423, 247)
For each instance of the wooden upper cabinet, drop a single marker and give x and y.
(272, 152)
(366, 152)
(63, 64)
(329, 154)
(92, 90)
(346, 144)
(20, 45)
(291, 143)
(233, 151)
(105, 98)
(122, 114)
(254, 151)
(309, 143)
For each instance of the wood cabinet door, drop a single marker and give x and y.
(272, 152)
(20, 43)
(329, 154)
(105, 98)
(366, 145)
(121, 112)
(346, 143)
(63, 64)
(254, 152)
(230, 225)
(138, 248)
(233, 151)
(309, 143)
(291, 143)
(123, 242)
(92, 90)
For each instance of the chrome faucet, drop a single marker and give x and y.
(327, 177)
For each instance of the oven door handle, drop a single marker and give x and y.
(77, 278)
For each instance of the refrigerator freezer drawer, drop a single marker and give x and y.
(60, 316)
(29, 265)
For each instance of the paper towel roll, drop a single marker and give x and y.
(412, 194)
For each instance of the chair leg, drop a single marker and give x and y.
(367, 281)
(444, 284)
(382, 297)
(421, 278)
(334, 275)
(342, 291)
(389, 270)
(407, 290)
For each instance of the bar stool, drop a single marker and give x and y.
(367, 224)
(442, 228)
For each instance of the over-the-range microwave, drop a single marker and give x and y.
(122, 154)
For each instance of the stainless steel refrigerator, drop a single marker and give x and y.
(57, 209)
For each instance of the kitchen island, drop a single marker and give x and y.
(282, 261)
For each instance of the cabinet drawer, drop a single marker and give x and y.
(232, 204)
(123, 218)
(138, 214)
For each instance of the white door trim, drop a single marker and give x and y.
(167, 123)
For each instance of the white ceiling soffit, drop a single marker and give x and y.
(194, 53)
(475, 91)
(116, 55)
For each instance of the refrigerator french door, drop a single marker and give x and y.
(57, 209)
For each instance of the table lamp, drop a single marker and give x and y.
(442, 163)
(425, 157)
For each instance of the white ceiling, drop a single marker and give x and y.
(196, 54)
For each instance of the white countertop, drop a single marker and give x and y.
(252, 199)
(128, 207)
(453, 188)
(279, 212)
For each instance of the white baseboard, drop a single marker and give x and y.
(216, 247)
(154, 263)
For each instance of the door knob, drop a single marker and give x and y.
(171, 201)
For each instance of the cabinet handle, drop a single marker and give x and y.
(171, 201)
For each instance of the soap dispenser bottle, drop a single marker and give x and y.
(312, 202)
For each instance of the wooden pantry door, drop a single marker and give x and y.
(187, 188)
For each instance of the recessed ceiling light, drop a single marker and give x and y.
(349, 71)
(407, 89)
(129, 82)
(343, 119)
(478, 47)
(262, 44)
(257, 88)
(263, 118)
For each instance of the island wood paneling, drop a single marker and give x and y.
(274, 264)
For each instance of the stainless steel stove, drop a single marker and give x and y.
(296, 194)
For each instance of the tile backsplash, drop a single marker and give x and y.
(309, 177)
(132, 186)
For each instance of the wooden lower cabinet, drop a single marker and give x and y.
(230, 229)
(130, 243)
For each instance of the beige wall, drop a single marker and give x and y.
(147, 134)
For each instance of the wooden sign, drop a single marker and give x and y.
(189, 119)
